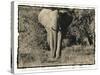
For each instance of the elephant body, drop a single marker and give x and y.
(55, 23)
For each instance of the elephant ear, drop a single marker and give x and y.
(43, 17)
(64, 21)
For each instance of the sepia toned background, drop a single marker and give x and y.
(33, 50)
(5, 39)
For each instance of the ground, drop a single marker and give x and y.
(75, 55)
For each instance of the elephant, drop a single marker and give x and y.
(55, 21)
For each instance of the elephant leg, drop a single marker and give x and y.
(48, 38)
(59, 39)
(53, 43)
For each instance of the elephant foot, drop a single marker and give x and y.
(57, 57)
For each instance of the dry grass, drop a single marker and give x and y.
(76, 55)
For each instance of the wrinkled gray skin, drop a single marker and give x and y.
(48, 18)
